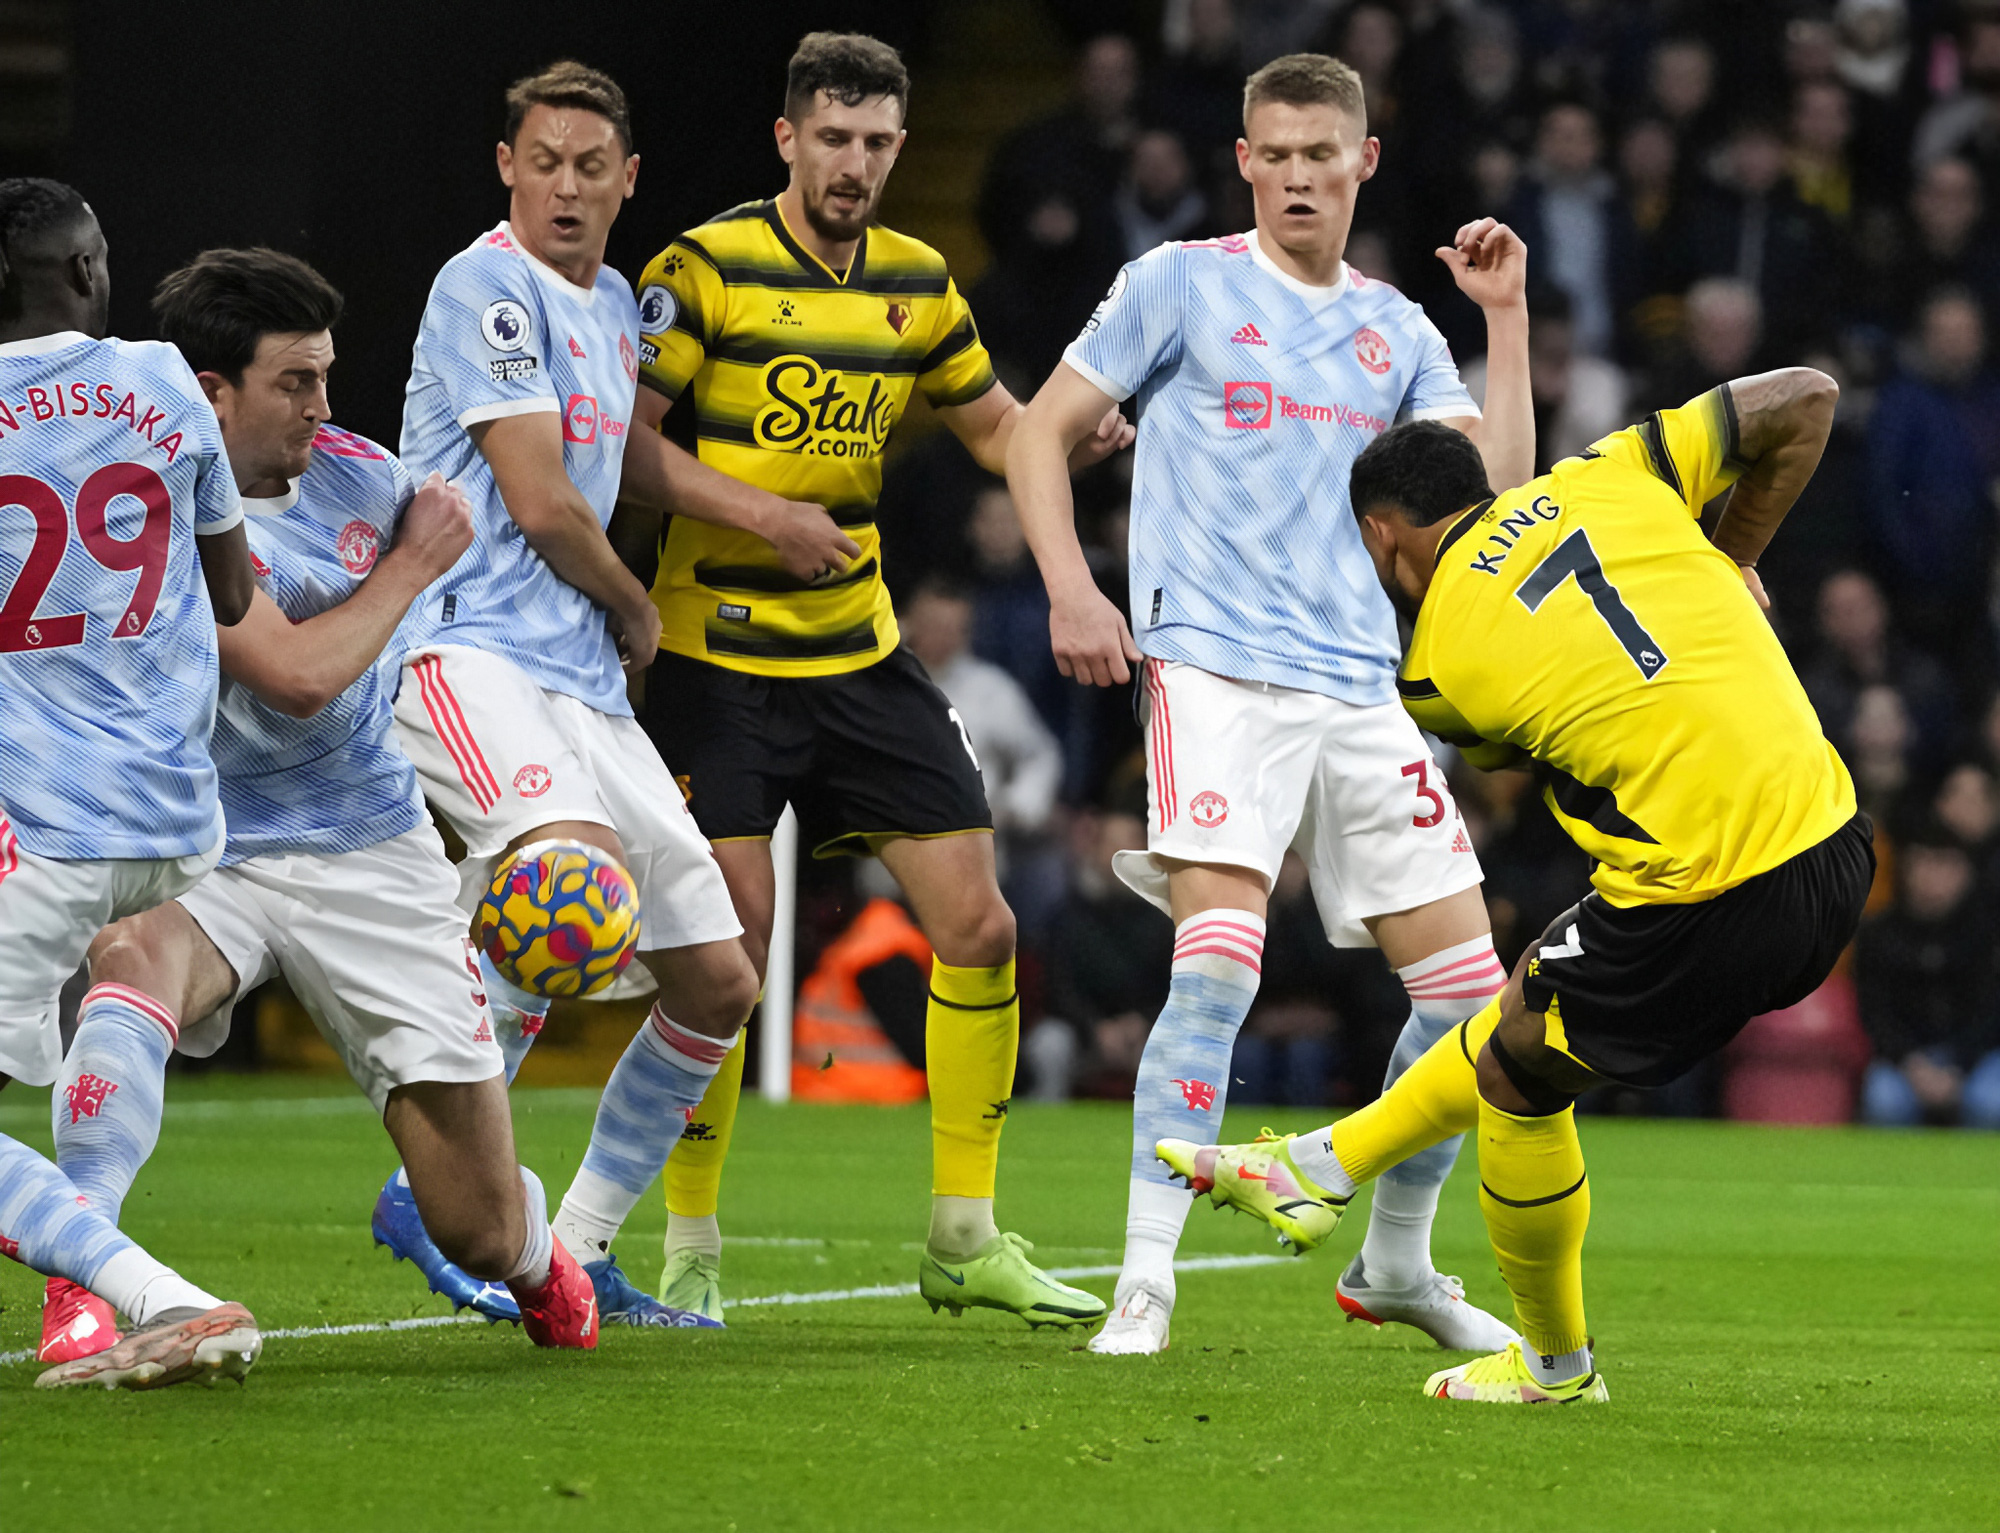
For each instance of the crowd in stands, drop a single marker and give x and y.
(1706, 190)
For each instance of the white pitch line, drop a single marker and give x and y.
(824, 1296)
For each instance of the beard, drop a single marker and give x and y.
(837, 227)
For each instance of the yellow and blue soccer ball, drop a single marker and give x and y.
(560, 918)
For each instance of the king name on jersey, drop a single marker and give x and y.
(1518, 522)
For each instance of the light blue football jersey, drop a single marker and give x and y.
(503, 334)
(110, 462)
(335, 782)
(1257, 393)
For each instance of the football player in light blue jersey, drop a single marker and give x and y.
(1264, 364)
(512, 702)
(115, 487)
(333, 876)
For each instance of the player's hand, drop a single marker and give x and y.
(1090, 640)
(1756, 584)
(1489, 263)
(808, 541)
(436, 527)
(638, 635)
(1113, 434)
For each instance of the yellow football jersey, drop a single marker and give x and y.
(799, 374)
(1585, 619)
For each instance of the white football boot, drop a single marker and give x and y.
(1437, 1308)
(1137, 1327)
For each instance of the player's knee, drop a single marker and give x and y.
(708, 990)
(128, 952)
(981, 938)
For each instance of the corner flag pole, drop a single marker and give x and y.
(774, 1077)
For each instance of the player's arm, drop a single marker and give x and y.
(1086, 630)
(298, 668)
(1489, 263)
(225, 570)
(986, 425)
(663, 478)
(1782, 420)
(525, 453)
(1434, 714)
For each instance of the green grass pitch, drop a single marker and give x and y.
(1800, 1330)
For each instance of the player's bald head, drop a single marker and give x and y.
(51, 255)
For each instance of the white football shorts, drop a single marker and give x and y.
(374, 946)
(499, 756)
(1239, 772)
(50, 912)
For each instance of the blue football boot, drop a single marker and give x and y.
(396, 1225)
(619, 1303)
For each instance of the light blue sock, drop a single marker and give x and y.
(1183, 1082)
(518, 1016)
(110, 1096)
(646, 1104)
(1445, 989)
(46, 1224)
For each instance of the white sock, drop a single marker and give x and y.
(960, 1226)
(693, 1232)
(1559, 1369)
(1155, 1214)
(1396, 1252)
(537, 1258)
(142, 1287)
(1313, 1154)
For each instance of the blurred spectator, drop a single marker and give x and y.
(1968, 807)
(1569, 212)
(1010, 615)
(1270, 28)
(1577, 399)
(1872, 53)
(1110, 958)
(1046, 211)
(1926, 975)
(1681, 88)
(1822, 128)
(1967, 123)
(1750, 223)
(1934, 448)
(1948, 243)
(1878, 753)
(1285, 1050)
(1857, 650)
(1018, 756)
(1722, 328)
(1159, 199)
(1369, 36)
(1649, 166)
(1197, 91)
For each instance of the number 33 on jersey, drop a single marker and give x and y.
(1586, 620)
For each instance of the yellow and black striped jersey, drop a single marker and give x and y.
(1585, 619)
(799, 375)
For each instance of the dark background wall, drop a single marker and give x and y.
(361, 137)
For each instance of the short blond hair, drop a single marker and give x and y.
(1305, 79)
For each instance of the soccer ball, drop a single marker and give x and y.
(560, 918)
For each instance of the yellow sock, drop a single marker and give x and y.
(1436, 1097)
(971, 1033)
(1536, 1199)
(693, 1177)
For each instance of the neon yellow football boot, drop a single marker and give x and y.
(1000, 1276)
(692, 1280)
(1261, 1180)
(1503, 1378)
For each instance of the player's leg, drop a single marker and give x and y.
(693, 947)
(49, 911)
(1228, 769)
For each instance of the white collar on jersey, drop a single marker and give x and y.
(36, 345)
(545, 271)
(274, 505)
(1318, 297)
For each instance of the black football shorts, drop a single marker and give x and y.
(863, 757)
(1644, 993)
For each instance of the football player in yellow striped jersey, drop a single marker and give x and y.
(798, 329)
(1585, 623)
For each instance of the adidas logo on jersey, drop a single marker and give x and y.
(1459, 843)
(1249, 336)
